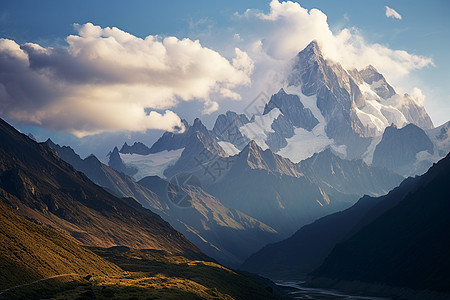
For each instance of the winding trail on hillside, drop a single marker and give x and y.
(40, 280)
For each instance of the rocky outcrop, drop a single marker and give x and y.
(292, 108)
(136, 148)
(398, 148)
(226, 128)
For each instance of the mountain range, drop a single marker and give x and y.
(64, 236)
(274, 191)
(321, 106)
(204, 220)
(310, 152)
(214, 216)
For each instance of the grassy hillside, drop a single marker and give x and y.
(30, 251)
(176, 277)
(148, 274)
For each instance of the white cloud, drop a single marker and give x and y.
(418, 96)
(391, 13)
(106, 79)
(288, 28)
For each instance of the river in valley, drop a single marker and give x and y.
(298, 291)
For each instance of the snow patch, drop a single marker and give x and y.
(370, 121)
(368, 155)
(440, 137)
(305, 143)
(367, 91)
(261, 125)
(378, 116)
(377, 84)
(341, 150)
(151, 164)
(229, 148)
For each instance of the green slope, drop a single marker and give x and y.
(30, 251)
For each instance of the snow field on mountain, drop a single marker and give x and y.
(368, 155)
(229, 148)
(440, 137)
(151, 164)
(378, 113)
(261, 125)
(305, 143)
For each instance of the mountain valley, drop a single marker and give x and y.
(335, 180)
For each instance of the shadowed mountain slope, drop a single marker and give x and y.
(227, 235)
(305, 250)
(48, 190)
(408, 245)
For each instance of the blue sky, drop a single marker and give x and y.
(422, 31)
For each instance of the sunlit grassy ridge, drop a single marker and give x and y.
(175, 276)
(149, 274)
(29, 251)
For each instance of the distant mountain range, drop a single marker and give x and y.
(239, 205)
(216, 215)
(286, 196)
(322, 141)
(204, 219)
(321, 106)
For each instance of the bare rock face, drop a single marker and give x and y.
(292, 108)
(136, 148)
(283, 129)
(293, 115)
(399, 147)
(371, 76)
(227, 126)
(415, 113)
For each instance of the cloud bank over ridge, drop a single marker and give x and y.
(107, 80)
(288, 28)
